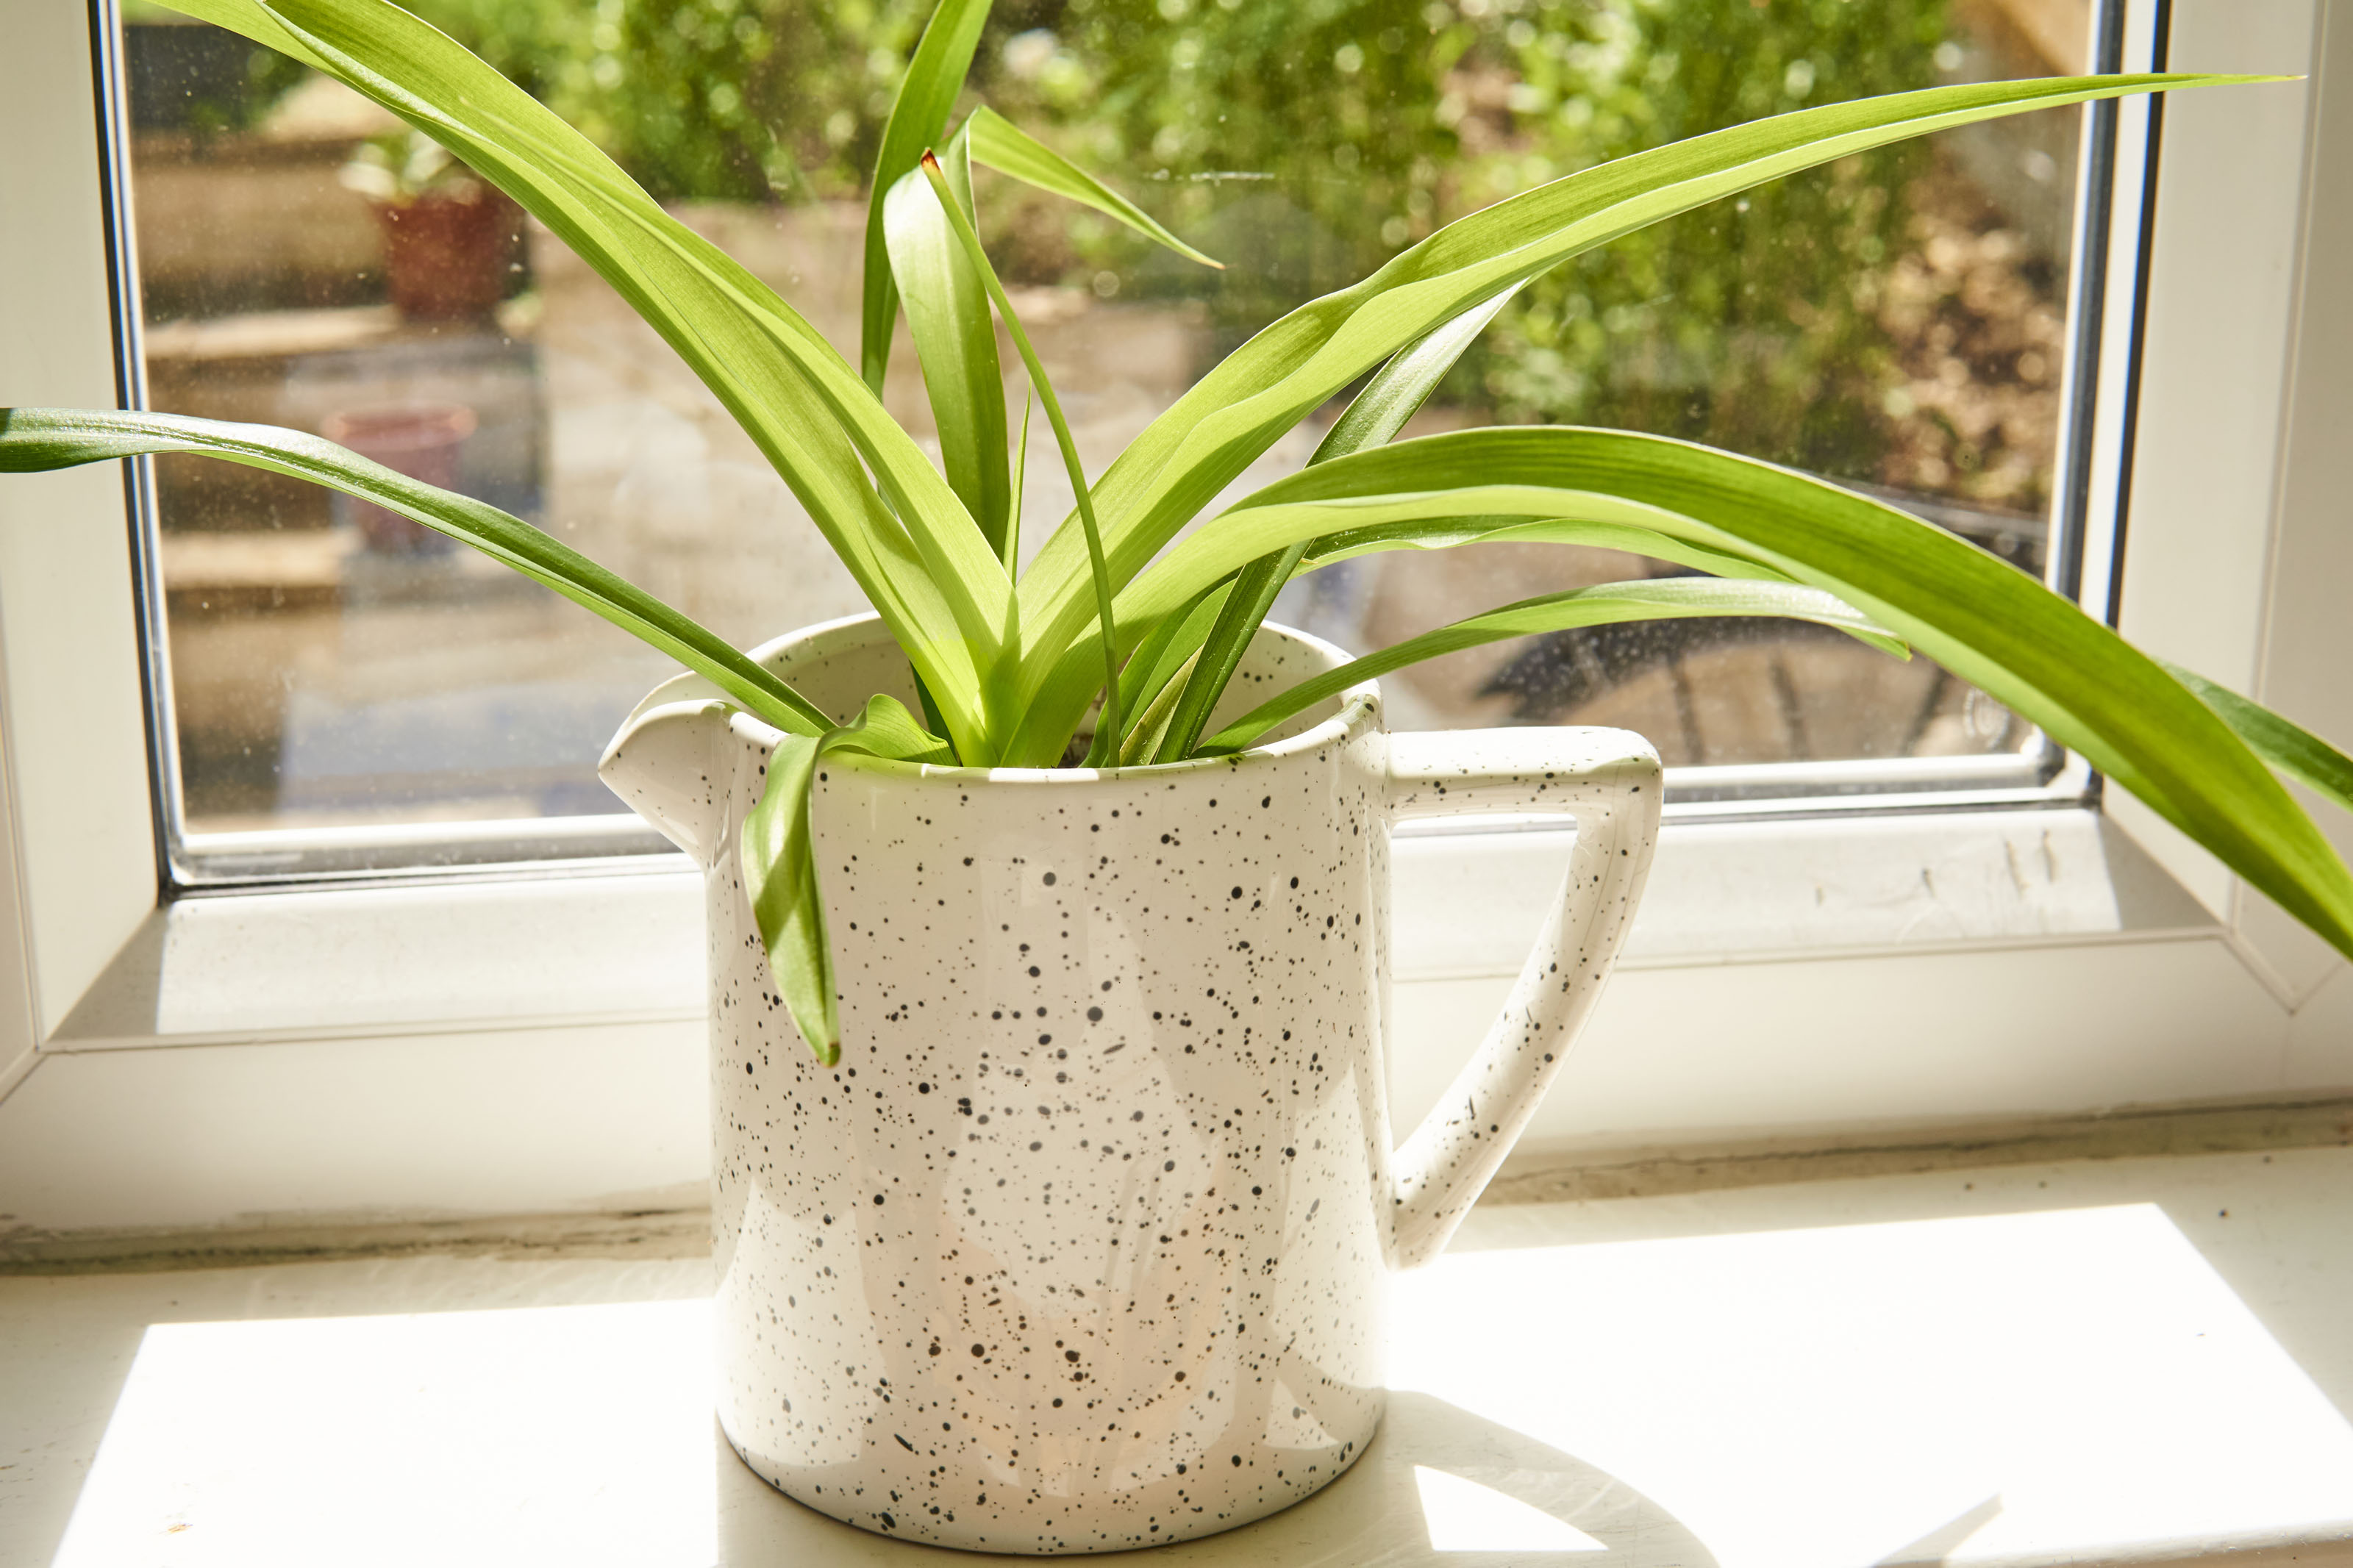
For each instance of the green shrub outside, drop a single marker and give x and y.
(1748, 324)
(1357, 126)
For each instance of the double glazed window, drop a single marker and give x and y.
(1834, 936)
(339, 691)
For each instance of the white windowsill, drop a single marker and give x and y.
(2107, 1362)
(626, 947)
(480, 1047)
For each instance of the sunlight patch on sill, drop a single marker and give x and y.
(2073, 1385)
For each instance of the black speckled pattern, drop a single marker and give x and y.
(1083, 1245)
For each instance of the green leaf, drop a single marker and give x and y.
(999, 144)
(1986, 620)
(1446, 534)
(1158, 658)
(925, 569)
(780, 877)
(1162, 608)
(34, 439)
(1238, 618)
(1341, 526)
(1374, 416)
(2300, 754)
(1150, 730)
(1020, 486)
(927, 94)
(1228, 419)
(1148, 690)
(1397, 392)
(1339, 530)
(1660, 598)
(248, 18)
(1330, 548)
(947, 310)
(970, 239)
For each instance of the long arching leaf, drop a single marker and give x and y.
(955, 339)
(927, 93)
(1163, 608)
(1983, 619)
(1235, 413)
(970, 239)
(2294, 750)
(1668, 599)
(1375, 414)
(34, 439)
(997, 144)
(1166, 653)
(1400, 387)
(1238, 618)
(1346, 546)
(1341, 526)
(924, 569)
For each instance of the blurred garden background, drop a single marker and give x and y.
(1896, 319)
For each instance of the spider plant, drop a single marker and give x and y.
(1125, 617)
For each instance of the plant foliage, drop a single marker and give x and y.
(1126, 616)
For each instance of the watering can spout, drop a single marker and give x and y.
(669, 763)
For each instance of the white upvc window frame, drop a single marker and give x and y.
(534, 1043)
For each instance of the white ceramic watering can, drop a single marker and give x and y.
(1083, 1245)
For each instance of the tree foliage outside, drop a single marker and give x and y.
(711, 99)
(1306, 141)
(1750, 324)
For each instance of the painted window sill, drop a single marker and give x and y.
(2120, 1362)
(621, 947)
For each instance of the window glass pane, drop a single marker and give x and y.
(1897, 319)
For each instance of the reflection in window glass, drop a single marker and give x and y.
(1896, 319)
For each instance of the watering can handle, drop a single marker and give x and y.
(1609, 781)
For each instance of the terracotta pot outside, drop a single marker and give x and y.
(422, 440)
(446, 252)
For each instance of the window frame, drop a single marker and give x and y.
(538, 1044)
